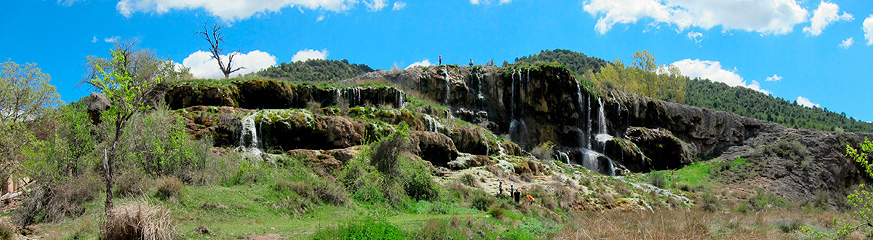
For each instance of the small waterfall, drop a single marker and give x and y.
(337, 97)
(601, 118)
(588, 133)
(500, 150)
(248, 130)
(487, 146)
(589, 160)
(564, 156)
(512, 96)
(400, 102)
(448, 84)
(433, 125)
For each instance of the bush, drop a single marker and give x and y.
(52, 202)
(469, 180)
(169, 187)
(417, 180)
(6, 231)
(138, 220)
(367, 228)
(545, 151)
(498, 212)
(482, 202)
(131, 183)
(657, 179)
(387, 152)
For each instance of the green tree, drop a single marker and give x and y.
(26, 97)
(129, 93)
(861, 199)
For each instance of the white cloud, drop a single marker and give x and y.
(376, 5)
(398, 5)
(714, 71)
(231, 10)
(94, 39)
(320, 18)
(774, 78)
(763, 16)
(802, 101)
(202, 65)
(422, 63)
(67, 3)
(847, 43)
(868, 29)
(696, 36)
(486, 2)
(826, 14)
(111, 39)
(308, 54)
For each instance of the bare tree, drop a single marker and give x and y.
(214, 37)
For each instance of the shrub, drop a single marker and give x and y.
(6, 231)
(138, 220)
(417, 180)
(498, 212)
(469, 180)
(657, 179)
(52, 202)
(545, 151)
(709, 202)
(131, 183)
(482, 202)
(169, 187)
(367, 228)
(386, 153)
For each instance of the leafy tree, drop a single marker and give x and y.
(645, 76)
(129, 93)
(26, 97)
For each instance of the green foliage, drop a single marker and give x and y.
(158, 143)
(26, 98)
(366, 228)
(750, 103)
(315, 70)
(576, 62)
(644, 77)
(862, 198)
(544, 151)
(657, 179)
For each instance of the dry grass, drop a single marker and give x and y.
(139, 220)
(693, 224)
(169, 188)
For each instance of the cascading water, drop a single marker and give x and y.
(500, 150)
(564, 156)
(253, 149)
(400, 102)
(448, 84)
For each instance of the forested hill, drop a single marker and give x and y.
(751, 103)
(719, 96)
(577, 62)
(315, 70)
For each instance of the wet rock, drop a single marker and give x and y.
(628, 155)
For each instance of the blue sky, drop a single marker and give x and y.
(801, 47)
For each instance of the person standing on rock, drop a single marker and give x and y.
(441, 60)
(471, 62)
(511, 190)
(500, 189)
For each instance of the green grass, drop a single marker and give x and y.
(697, 174)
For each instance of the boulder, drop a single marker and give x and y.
(628, 154)
(434, 147)
(99, 103)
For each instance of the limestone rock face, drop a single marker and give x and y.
(628, 154)
(437, 148)
(665, 150)
(99, 103)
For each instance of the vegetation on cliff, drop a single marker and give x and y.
(701, 92)
(315, 70)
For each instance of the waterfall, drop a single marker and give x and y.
(337, 98)
(433, 125)
(588, 133)
(248, 130)
(400, 102)
(500, 150)
(589, 160)
(448, 84)
(564, 156)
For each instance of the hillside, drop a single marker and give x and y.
(719, 96)
(314, 70)
(422, 153)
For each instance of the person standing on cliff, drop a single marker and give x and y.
(441, 60)
(500, 189)
(471, 62)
